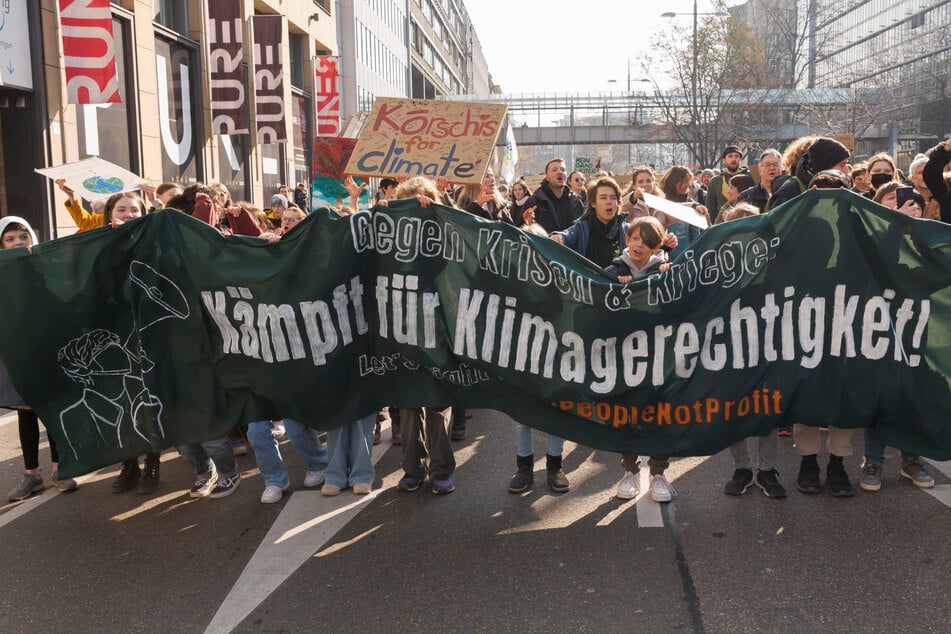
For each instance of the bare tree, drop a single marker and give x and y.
(697, 74)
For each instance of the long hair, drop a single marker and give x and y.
(671, 178)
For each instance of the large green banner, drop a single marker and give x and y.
(829, 311)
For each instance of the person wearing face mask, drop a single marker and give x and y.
(881, 170)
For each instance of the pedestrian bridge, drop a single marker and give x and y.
(775, 115)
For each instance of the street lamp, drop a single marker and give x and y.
(693, 74)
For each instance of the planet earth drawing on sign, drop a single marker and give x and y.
(100, 185)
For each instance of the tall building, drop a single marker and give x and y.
(374, 52)
(899, 48)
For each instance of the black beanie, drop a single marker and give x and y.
(730, 148)
(826, 153)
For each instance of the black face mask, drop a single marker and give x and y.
(880, 179)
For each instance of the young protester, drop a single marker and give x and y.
(425, 434)
(576, 181)
(643, 255)
(676, 184)
(887, 195)
(557, 207)
(15, 232)
(350, 447)
(805, 158)
(485, 200)
(767, 477)
(597, 234)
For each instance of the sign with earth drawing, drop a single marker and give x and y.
(94, 178)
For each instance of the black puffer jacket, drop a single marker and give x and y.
(933, 173)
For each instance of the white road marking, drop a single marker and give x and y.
(941, 492)
(648, 511)
(294, 537)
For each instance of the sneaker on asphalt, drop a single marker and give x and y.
(629, 486)
(362, 488)
(314, 478)
(273, 493)
(204, 485)
(226, 486)
(128, 475)
(442, 486)
(277, 429)
(808, 479)
(871, 477)
(768, 482)
(837, 480)
(739, 483)
(65, 485)
(661, 491)
(915, 471)
(29, 485)
(409, 483)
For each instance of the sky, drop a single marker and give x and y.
(565, 46)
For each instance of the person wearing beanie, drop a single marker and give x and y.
(823, 154)
(718, 189)
(278, 205)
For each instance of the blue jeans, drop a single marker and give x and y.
(211, 454)
(350, 448)
(875, 450)
(268, 455)
(525, 446)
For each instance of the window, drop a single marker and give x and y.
(299, 55)
(172, 14)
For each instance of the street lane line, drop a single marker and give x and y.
(292, 540)
(648, 511)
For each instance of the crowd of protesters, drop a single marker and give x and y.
(615, 229)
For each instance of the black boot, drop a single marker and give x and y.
(837, 480)
(149, 481)
(457, 428)
(808, 480)
(523, 478)
(128, 476)
(557, 480)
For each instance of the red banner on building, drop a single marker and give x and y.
(269, 110)
(327, 88)
(89, 51)
(229, 113)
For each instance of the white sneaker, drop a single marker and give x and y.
(273, 493)
(277, 429)
(629, 486)
(661, 491)
(314, 478)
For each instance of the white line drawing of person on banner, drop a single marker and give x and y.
(116, 406)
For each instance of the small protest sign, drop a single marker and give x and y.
(93, 178)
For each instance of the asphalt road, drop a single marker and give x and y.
(480, 559)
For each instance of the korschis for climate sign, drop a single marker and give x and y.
(89, 51)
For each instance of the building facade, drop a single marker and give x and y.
(162, 128)
(897, 50)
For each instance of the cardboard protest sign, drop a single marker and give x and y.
(94, 178)
(419, 137)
